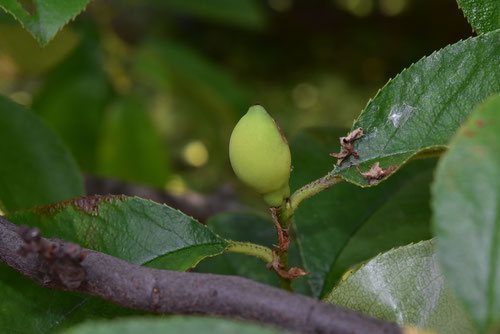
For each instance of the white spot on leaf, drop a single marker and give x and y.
(399, 114)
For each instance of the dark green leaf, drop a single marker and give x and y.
(199, 89)
(483, 15)
(36, 168)
(243, 13)
(333, 226)
(28, 308)
(178, 325)
(402, 219)
(29, 56)
(131, 147)
(72, 100)
(404, 285)
(425, 104)
(133, 229)
(174, 66)
(466, 209)
(136, 230)
(44, 18)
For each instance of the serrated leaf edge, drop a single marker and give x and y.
(339, 169)
(466, 17)
(430, 242)
(42, 38)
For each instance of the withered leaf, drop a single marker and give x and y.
(376, 173)
(347, 147)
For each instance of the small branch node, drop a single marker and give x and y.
(282, 249)
(289, 274)
(60, 261)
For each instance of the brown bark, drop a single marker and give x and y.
(58, 265)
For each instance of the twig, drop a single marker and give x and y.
(281, 232)
(248, 248)
(307, 191)
(279, 262)
(170, 292)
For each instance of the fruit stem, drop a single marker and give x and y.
(248, 248)
(285, 283)
(282, 250)
(282, 218)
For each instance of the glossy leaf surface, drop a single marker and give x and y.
(466, 209)
(334, 227)
(404, 285)
(36, 167)
(421, 108)
(483, 15)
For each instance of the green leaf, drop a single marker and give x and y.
(28, 308)
(242, 13)
(404, 285)
(483, 15)
(170, 65)
(72, 100)
(36, 168)
(178, 325)
(199, 89)
(425, 104)
(345, 225)
(44, 18)
(466, 218)
(131, 147)
(133, 229)
(28, 55)
(402, 219)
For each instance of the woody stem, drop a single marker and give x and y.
(282, 251)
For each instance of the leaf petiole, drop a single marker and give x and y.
(262, 252)
(307, 191)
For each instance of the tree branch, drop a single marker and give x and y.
(51, 263)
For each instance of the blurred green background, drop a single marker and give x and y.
(148, 91)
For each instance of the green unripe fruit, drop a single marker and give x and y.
(260, 155)
(275, 198)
